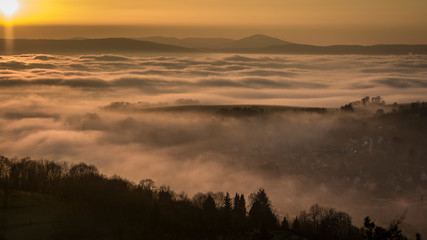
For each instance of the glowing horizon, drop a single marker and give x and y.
(342, 17)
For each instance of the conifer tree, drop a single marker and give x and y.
(261, 215)
(227, 203)
(242, 205)
(285, 224)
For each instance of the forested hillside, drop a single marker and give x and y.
(90, 205)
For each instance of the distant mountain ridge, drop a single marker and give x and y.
(380, 49)
(259, 43)
(88, 46)
(254, 41)
(189, 42)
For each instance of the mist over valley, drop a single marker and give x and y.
(234, 123)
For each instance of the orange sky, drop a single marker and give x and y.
(399, 15)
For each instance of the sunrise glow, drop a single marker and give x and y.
(9, 7)
(308, 21)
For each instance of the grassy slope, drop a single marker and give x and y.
(30, 216)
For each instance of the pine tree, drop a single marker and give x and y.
(285, 224)
(261, 215)
(236, 202)
(296, 226)
(209, 205)
(242, 205)
(227, 203)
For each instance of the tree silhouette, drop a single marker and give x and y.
(147, 184)
(101, 207)
(239, 221)
(296, 226)
(4, 180)
(83, 170)
(165, 194)
(209, 205)
(239, 205)
(210, 217)
(285, 224)
(374, 232)
(261, 215)
(325, 223)
(227, 203)
(226, 216)
(347, 108)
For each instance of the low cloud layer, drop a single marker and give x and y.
(225, 79)
(53, 107)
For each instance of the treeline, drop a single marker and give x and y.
(101, 207)
(418, 109)
(412, 109)
(253, 111)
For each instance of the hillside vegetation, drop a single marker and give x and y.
(46, 200)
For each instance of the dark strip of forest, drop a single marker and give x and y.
(95, 206)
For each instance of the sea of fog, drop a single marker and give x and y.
(321, 81)
(53, 107)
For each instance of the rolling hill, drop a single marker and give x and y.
(254, 41)
(88, 46)
(264, 44)
(260, 44)
(190, 42)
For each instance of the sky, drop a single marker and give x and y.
(307, 21)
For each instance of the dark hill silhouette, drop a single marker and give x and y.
(252, 42)
(381, 49)
(88, 46)
(223, 110)
(189, 42)
(259, 43)
(255, 41)
(59, 201)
